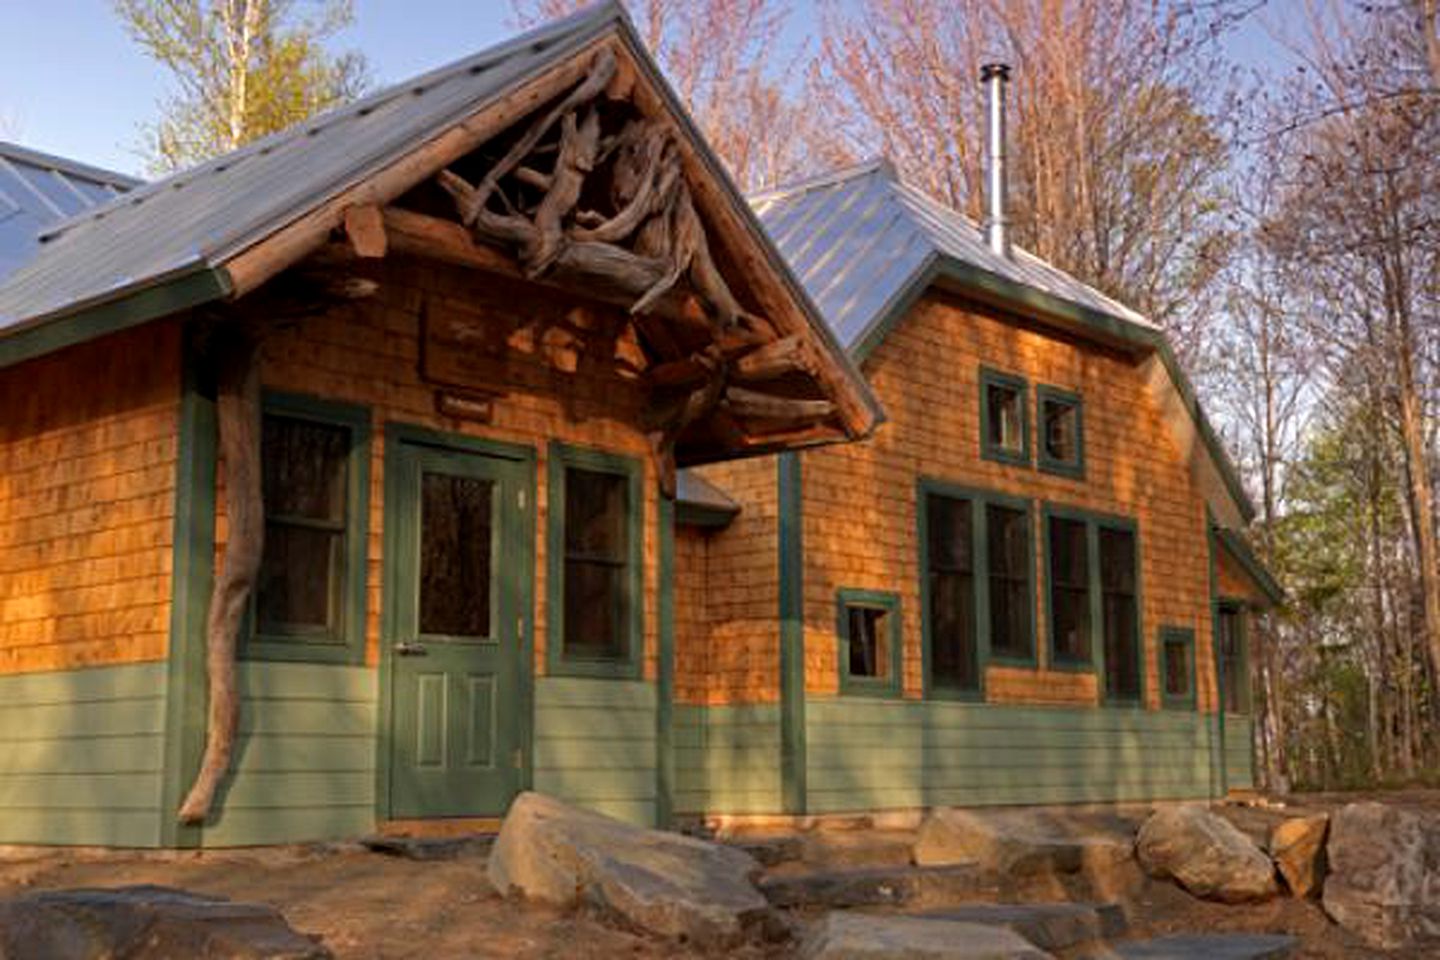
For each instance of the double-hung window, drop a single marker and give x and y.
(1177, 667)
(595, 564)
(950, 608)
(1230, 639)
(1092, 565)
(309, 598)
(1010, 572)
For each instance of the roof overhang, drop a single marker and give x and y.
(1238, 549)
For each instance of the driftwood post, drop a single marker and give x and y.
(238, 409)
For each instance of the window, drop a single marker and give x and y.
(1010, 569)
(309, 600)
(1177, 667)
(595, 563)
(1004, 423)
(1230, 638)
(1062, 432)
(869, 635)
(1069, 592)
(457, 537)
(1094, 589)
(1120, 613)
(950, 620)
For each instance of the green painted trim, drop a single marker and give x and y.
(792, 633)
(1238, 606)
(351, 647)
(925, 487)
(1240, 551)
(563, 455)
(665, 675)
(845, 599)
(1071, 469)
(192, 573)
(990, 377)
(1217, 748)
(1213, 445)
(182, 290)
(1167, 634)
(398, 434)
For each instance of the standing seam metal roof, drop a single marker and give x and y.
(858, 237)
(38, 190)
(203, 215)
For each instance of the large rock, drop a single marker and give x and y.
(853, 936)
(1049, 926)
(1384, 879)
(666, 883)
(1029, 844)
(1297, 846)
(145, 922)
(1206, 854)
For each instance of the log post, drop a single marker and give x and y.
(238, 410)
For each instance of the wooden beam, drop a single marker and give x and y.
(366, 230)
(767, 406)
(776, 359)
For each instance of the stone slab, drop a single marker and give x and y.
(1051, 926)
(1212, 946)
(878, 886)
(853, 936)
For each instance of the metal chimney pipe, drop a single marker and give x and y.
(994, 76)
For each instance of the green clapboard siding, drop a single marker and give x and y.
(1239, 751)
(82, 756)
(595, 744)
(727, 759)
(305, 761)
(868, 754)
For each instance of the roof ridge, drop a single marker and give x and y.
(877, 164)
(537, 37)
(39, 158)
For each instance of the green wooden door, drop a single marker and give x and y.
(459, 568)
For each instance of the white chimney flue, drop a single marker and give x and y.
(994, 77)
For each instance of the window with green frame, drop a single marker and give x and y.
(1177, 667)
(1230, 643)
(1004, 417)
(309, 598)
(1060, 416)
(978, 586)
(595, 571)
(867, 628)
(1093, 597)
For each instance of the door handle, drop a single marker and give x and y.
(410, 649)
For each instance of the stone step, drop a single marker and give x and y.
(770, 851)
(1050, 926)
(431, 848)
(1204, 946)
(881, 886)
(853, 936)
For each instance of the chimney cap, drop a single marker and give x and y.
(994, 69)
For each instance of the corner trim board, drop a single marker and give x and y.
(792, 635)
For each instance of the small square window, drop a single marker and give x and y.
(1062, 432)
(1177, 665)
(869, 641)
(1004, 423)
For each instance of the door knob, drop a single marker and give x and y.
(410, 649)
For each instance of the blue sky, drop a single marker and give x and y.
(73, 83)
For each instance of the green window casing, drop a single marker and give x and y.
(1233, 656)
(1004, 417)
(867, 628)
(309, 601)
(1177, 667)
(595, 570)
(1060, 423)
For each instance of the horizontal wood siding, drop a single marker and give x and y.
(81, 756)
(727, 758)
(1239, 751)
(595, 744)
(305, 763)
(902, 754)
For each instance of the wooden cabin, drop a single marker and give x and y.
(1029, 586)
(336, 473)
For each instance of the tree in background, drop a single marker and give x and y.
(244, 68)
(724, 59)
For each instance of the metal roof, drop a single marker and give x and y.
(859, 238)
(38, 190)
(201, 216)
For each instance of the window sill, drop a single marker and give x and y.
(872, 691)
(596, 669)
(1181, 704)
(1013, 660)
(955, 694)
(1010, 458)
(1060, 468)
(1071, 666)
(293, 652)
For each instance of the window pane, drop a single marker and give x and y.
(1070, 590)
(1058, 426)
(952, 592)
(597, 554)
(456, 522)
(1232, 661)
(1005, 417)
(1177, 667)
(1008, 542)
(595, 508)
(869, 630)
(299, 567)
(304, 466)
(1120, 613)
